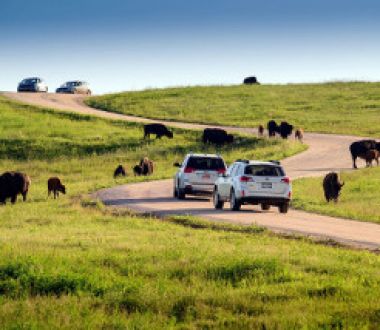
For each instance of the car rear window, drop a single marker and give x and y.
(264, 170)
(206, 163)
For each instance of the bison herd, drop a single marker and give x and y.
(17, 183)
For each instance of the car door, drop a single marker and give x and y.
(224, 186)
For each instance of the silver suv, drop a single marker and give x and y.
(74, 87)
(197, 175)
(253, 182)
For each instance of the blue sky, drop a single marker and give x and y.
(127, 45)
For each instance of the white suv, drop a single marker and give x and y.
(253, 182)
(197, 175)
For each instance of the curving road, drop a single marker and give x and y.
(326, 153)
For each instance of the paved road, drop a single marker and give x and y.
(325, 153)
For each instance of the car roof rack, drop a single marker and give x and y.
(277, 162)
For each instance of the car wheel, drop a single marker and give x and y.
(234, 202)
(283, 208)
(218, 204)
(181, 193)
(175, 192)
(265, 207)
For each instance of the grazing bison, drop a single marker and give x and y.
(12, 184)
(360, 149)
(332, 186)
(250, 81)
(298, 135)
(55, 185)
(261, 130)
(216, 136)
(273, 128)
(285, 129)
(145, 167)
(120, 171)
(159, 130)
(372, 155)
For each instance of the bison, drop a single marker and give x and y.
(159, 130)
(261, 130)
(216, 136)
(332, 187)
(145, 167)
(250, 81)
(12, 184)
(371, 155)
(285, 129)
(55, 185)
(272, 128)
(360, 148)
(298, 135)
(119, 171)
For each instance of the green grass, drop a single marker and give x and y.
(346, 108)
(72, 264)
(360, 198)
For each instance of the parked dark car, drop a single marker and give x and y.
(32, 85)
(74, 87)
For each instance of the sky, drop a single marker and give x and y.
(119, 45)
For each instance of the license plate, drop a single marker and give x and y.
(206, 176)
(266, 185)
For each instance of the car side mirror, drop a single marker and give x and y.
(177, 164)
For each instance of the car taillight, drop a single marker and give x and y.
(221, 170)
(189, 170)
(285, 180)
(246, 179)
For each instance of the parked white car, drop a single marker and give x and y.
(74, 87)
(197, 175)
(253, 182)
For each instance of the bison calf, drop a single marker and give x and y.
(332, 187)
(12, 184)
(261, 130)
(120, 171)
(55, 186)
(371, 155)
(298, 135)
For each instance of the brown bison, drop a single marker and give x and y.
(298, 134)
(261, 130)
(55, 186)
(332, 187)
(372, 155)
(12, 184)
(119, 171)
(145, 167)
(159, 130)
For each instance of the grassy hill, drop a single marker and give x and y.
(346, 108)
(72, 264)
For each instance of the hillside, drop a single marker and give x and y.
(71, 264)
(346, 108)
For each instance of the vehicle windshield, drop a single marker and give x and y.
(70, 84)
(29, 81)
(264, 170)
(206, 163)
